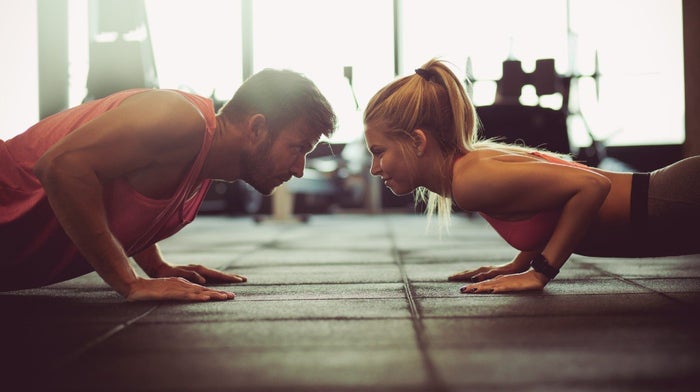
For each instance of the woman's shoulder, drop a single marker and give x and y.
(484, 173)
(483, 157)
(472, 173)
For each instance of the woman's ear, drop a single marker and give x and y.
(420, 141)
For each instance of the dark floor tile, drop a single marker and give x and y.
(273, 292)
(75, 305)
(243, 336)
(280, 310)
(229, 369)
(285, 256)
(595, 332)
(631, 368)
(667, 267)
(675, 285)
(311, 274)
(544, 304)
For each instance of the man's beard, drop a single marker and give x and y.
(257, 169)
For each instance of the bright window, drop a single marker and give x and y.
(197, 45)
(639, 44)
(319, 38)
(19, 101)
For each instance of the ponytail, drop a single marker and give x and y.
(432, 99)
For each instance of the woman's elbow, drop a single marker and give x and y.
(600, 186)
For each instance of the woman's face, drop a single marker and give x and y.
(389, 160)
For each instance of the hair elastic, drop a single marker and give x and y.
(424, 73)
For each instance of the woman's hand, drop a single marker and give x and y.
(524, 281)
(178, 289)
(197, 274)
(486, 273)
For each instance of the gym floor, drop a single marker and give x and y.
(351, 302)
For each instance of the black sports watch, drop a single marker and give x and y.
(541, 265)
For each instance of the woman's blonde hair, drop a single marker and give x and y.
(432, 99)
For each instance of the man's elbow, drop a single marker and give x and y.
(42, 168)
(49, 169)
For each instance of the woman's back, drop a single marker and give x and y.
(612, 217)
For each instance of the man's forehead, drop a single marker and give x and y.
(301, 133)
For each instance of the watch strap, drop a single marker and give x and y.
(540, 264)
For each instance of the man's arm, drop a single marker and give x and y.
(151, 128)
(153, 264)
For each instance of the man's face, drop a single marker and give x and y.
(279, 158)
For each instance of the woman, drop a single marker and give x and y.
(422, 133)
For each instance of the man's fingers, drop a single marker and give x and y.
(195, 292)
(193, 276)
(206, 295)
(221, 277)
(177, 289)
(224, 277)
(213, 275)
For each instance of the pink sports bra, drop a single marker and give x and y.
(533, 233)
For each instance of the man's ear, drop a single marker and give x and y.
(257, 127)
(420, 141)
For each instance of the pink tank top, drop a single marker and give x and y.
(533, 233)
(31, 238)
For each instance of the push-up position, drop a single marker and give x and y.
(87, 188)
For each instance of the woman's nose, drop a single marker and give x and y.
(375, 169)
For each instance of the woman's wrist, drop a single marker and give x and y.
(539, 276)
(540, 264)
(522, 261)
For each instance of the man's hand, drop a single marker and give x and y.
(524, 281)
(197, 274)
(177, 289)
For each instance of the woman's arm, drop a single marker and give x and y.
(512, 188)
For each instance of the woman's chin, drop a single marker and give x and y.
(400, 192)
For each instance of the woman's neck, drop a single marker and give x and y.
(437, 176)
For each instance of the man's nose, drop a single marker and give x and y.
(298, 167)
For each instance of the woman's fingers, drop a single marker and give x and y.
(468, 275)
(504, 284)
(460, 277)
(193, 290)
(476, 290)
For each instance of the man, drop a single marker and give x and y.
(90, 187)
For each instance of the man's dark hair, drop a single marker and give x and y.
(283, 97)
